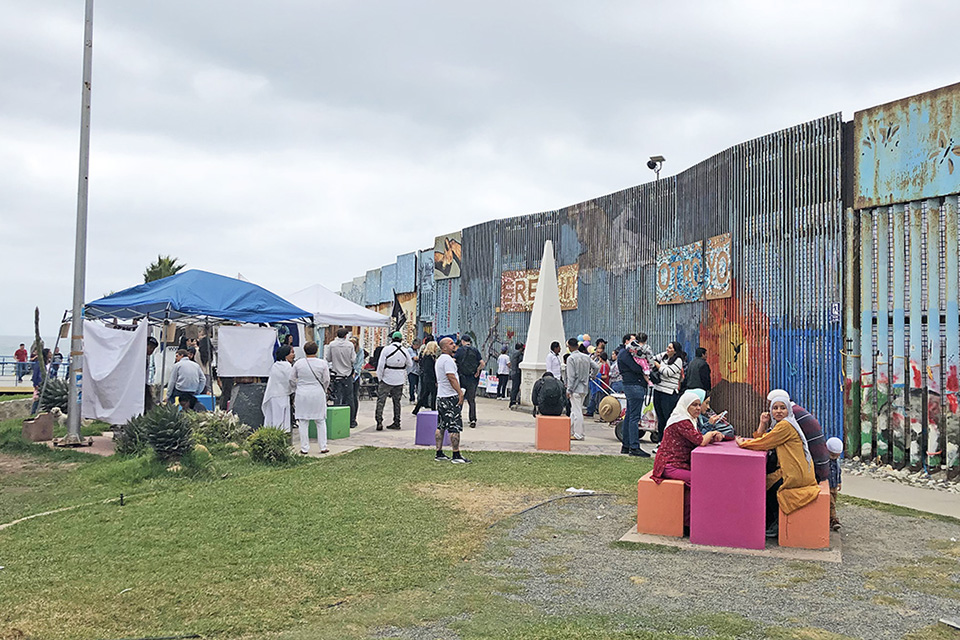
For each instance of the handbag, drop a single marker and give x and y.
(655, 376)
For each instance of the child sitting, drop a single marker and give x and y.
(835, 447)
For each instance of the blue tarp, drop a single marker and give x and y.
(196, 293)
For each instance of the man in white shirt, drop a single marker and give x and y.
(503, 373)
(449, 402)
(392, 371)
(553, 360)
(186, 380)
(340, 354)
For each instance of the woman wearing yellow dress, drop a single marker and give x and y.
(793, 485)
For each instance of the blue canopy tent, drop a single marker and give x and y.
(196, 294)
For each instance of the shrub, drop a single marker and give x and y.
(269, 445)
(130, 439)
(218, 427)
(168, 432)
(198, 462)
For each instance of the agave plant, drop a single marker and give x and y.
(55, 394)
(168, 432)
(131, 438)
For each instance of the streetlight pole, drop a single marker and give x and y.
(80, 256)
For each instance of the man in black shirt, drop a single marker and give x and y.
(469, 365)
(515, 359)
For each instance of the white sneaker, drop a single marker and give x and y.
(577, 436)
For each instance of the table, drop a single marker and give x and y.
(728, 496)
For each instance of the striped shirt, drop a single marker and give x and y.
(670, 374)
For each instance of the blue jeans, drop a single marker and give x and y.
(595, 399)
(617, 386)
(636, 395)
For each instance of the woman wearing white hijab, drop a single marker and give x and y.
(276, 397)
(793, 485)
(680, 437)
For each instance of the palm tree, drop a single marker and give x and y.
(163, 267)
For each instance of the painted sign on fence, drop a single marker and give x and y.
(716, 258)
(518, 288)
(680, 274)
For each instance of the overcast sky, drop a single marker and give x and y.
(307, 141)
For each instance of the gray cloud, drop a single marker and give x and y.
(300, 142)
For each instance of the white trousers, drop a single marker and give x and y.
(576, 414)
(276, 413)
(303, 427)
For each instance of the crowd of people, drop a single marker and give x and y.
(444, 374)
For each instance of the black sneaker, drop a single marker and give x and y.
(473, 425)
(441, 457)
(393, 426)
(639, 453)
(379, 427)
(460, 460)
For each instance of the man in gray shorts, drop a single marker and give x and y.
(449, 402)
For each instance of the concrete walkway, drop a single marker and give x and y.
(498, 429)
(929, 500)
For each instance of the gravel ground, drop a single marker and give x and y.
(563, 559)
(564, 554)
(937, 481)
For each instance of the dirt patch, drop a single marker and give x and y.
(481, 504)
(16, 464)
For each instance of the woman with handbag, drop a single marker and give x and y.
(311, 375)
(666, 374)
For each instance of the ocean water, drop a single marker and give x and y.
(9, 344)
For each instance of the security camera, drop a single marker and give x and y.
(651, 165)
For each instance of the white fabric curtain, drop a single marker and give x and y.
(245, 351)
(114, 372)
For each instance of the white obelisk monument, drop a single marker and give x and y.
(546, 325)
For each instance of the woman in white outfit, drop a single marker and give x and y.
(276, 398)
(311, 375)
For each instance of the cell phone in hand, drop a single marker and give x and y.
(722, 414)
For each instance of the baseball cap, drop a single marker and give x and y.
(397, 335)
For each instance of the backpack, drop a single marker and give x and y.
(468, 364)
(551, 396)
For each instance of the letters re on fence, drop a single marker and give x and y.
(519, 288)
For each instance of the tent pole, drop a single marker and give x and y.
(163, 357)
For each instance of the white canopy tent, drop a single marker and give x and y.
(329, 308)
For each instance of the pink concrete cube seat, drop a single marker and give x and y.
(728, 496)
(553, 433)
(809, 526)
(660, 507)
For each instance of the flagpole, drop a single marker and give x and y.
(80, 254)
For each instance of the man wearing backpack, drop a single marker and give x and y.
(392, 368)
(469, 365)
(548, 396)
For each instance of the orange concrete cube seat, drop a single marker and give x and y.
(553, 433)
(809, 526)
(660, 507)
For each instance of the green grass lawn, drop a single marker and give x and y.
(342, 547)
(339, 545)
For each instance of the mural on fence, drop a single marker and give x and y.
(716, 259)
(735, 332)
(908, 149)
(519, 288)
(448, 256)
(680, 274)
